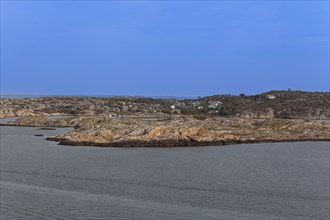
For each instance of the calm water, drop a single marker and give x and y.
(7, 119)
(43, 180)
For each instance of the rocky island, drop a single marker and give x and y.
(105, 131)
(145, 122)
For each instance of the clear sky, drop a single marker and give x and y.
(164, 48)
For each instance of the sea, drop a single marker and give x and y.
(43, 180)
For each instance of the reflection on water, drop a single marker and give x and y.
(43, 180)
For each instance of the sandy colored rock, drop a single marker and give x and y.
(179, 131)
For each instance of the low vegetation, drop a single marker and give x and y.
(273, 104)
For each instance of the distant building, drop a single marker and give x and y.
(180, 104)
(197, 103)
(215, 104)
(172, 106)
(271, 97)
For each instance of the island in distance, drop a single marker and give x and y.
(273, 116)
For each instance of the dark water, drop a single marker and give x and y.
(43, 180)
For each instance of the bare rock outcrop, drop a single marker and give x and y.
(192, 132)
(179, 131)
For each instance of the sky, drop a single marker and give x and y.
(163, 48)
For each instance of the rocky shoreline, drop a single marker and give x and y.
(104, 131)
(174, 143)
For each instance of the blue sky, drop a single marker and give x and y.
(177, 48)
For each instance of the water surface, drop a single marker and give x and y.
(43, 180)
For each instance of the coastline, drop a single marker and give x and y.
(165, 143)
(103, 131)
(174, 143)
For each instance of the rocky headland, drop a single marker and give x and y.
(105, 131)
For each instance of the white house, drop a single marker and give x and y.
(180, 104)
(214, 104)
(271, 97)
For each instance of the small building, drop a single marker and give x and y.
(197, 103)
(172, 106)
(215, 104)
(180, 104)
(271, 97)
